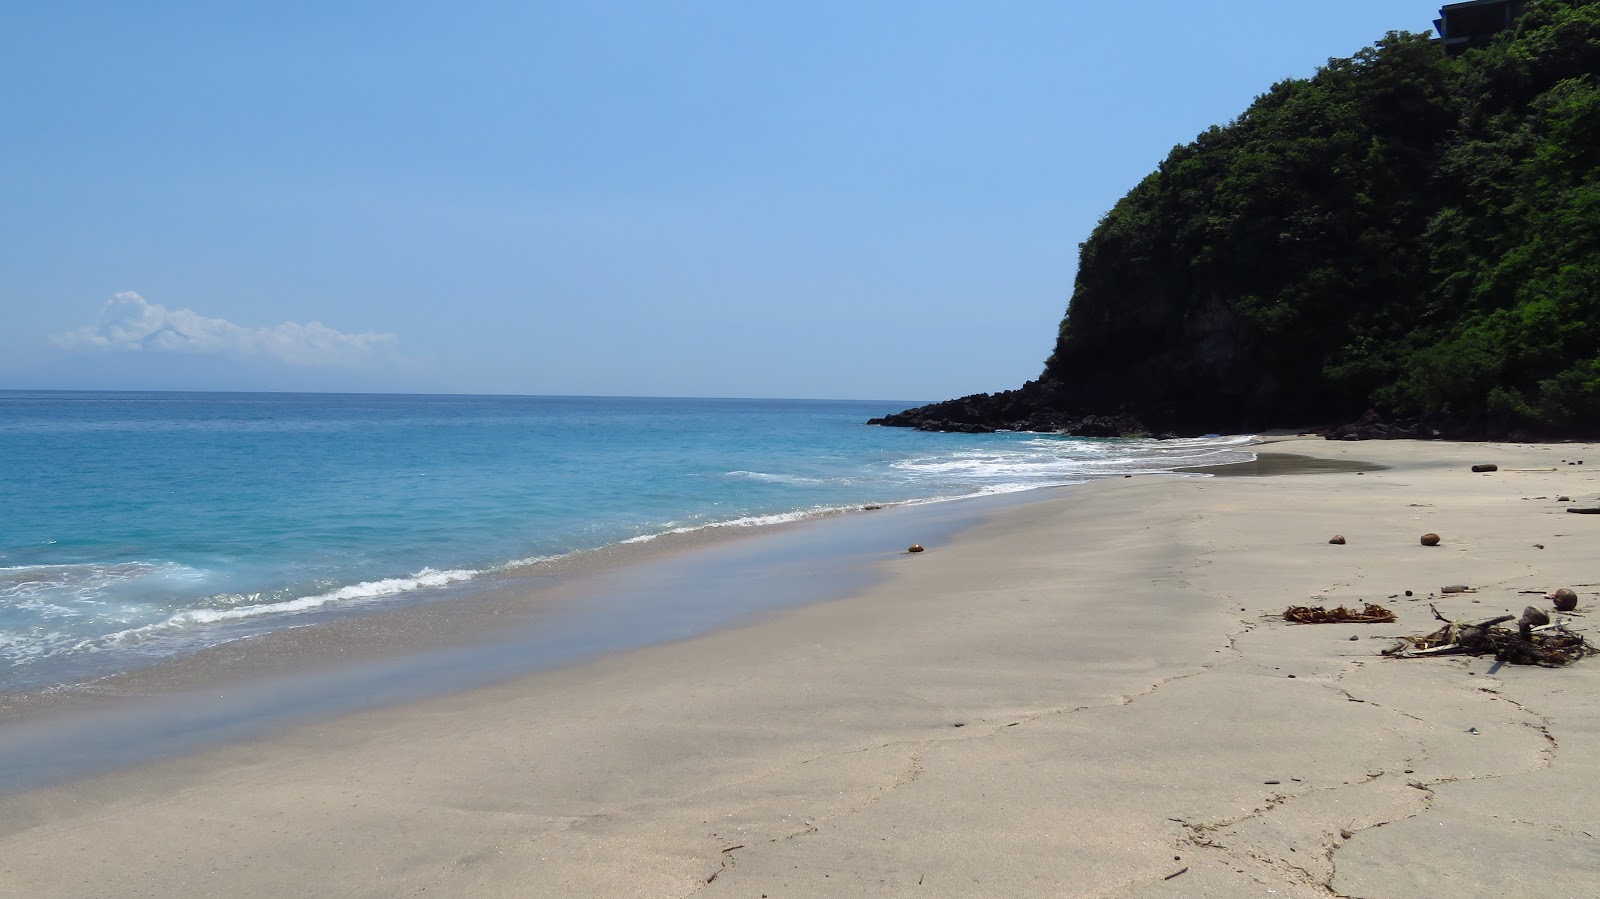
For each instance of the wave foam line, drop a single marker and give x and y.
(89, 575)
(748, 521)
(789, 479)
(752, 521)
(427, 577)
(529, 562)
(423, 579)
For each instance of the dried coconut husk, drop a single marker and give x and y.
(1532, 617)
(1371, 614)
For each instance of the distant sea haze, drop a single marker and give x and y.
(139, 526)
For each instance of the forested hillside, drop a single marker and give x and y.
(1405, 231)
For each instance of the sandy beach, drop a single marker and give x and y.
(1089, 695)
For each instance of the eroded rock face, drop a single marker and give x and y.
(1372, 426)
(1029, 408)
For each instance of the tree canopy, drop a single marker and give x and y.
(1405, 230)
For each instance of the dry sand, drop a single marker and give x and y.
(1081, 697)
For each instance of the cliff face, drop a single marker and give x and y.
(1405, 231)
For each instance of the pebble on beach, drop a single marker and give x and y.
(1430, 539)
(1338, 540)
(1565, 599)
(914, 548)
(1485, 467)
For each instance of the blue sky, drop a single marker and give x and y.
(820, 199)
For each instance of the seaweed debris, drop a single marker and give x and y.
(1371, 614)
(1549, 645)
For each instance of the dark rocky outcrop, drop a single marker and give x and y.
(1372, 426)
(1441, 425)
(1030, 408)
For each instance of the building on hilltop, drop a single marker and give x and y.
(1474, 23)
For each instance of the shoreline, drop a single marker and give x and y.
(371, 621)
(455, 614)
(468, 614)
(1056, 701)
(564, 613)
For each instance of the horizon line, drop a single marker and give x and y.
(546, 396)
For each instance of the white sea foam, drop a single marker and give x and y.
(746, 521)
(427, 577)
(84, 575)
(524, 563)
(239, 606)
(789, 479)
(75, 590)
(1049, 461)
(1010, 468)
(248, 607)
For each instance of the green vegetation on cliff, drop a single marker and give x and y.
(1404, 230)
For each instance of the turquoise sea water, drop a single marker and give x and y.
(137, 526)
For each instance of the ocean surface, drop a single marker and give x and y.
(138, 526)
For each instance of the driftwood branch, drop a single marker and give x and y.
(1550, 645)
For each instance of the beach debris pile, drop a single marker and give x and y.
(1534, 641)
(1371, 614)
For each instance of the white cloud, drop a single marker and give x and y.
(130, 322)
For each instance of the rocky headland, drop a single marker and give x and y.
(1406, 244)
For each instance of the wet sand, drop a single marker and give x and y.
(1267, 464)
(1083, 696)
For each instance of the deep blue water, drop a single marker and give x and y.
(134, 526)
